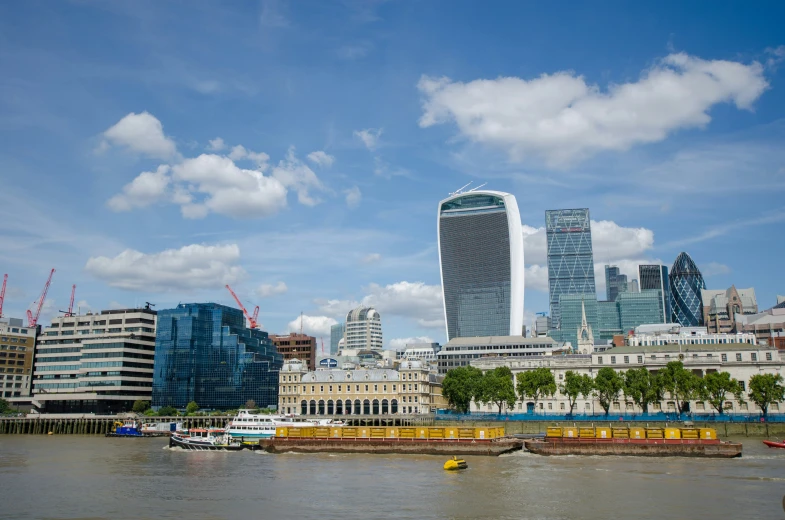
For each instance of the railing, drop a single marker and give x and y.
(446, 415)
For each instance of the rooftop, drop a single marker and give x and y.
(684, 348)
(502, 340)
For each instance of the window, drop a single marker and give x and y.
(742, 385)
(754, 356)
(339, 389)
(385, 388)
(724, 357)
(375, 388)
(626, 359)
(366, 388)
(394, 388)
(738, 357)
(357, 388)
(599, 360)
(561, 376)
(330, 388)
(695, 356)
(768, 356)
(550, 406)
(640, 359)
(613, 360)
(561, 406)
(321, 389)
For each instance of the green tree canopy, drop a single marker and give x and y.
(250, 404)
(496, 387)
(682, 384)
(167, 411)
(766, 389)
(537, 383)
(576, 385)
(643, 387)
(608, 384)
(191, 407)
(461, 385)
(715, 387)
(4, 406)
(141, 406)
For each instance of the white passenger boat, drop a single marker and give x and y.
(248, 425)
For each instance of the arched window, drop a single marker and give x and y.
(313, 407)
(330, 407)
(376, 407)
(357, 407)
(366, 407)
(339, 407)
(385, 407)
(304, 407)
(348, 408)
(394, 406)
(321, 407)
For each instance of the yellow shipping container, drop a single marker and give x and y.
(281, 431)
(465, 433)
(690, 433)
(621, 433)
(349, 432)
(654, 433)
(571, 431)
(301, 432)
(603, 432)
(321, 432)
(436, 433)
(363, 432)
(451, 432)
(391, 433)
(422, 433)
(553, 431)
(586, 432)
(407, 433)
(636, 432)
(672, 433)
(336, 432)
(485, 433)
(500, 431)
(378, 432)
(708, 433)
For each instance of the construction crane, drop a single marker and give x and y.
(2, 294)
(70, 311)
(251, 319)
(32, 321)
(322, 345)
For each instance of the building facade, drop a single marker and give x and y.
(481, 264)
(205, 353)
(296, 346)
(655, 278)
(570, 256)
(615, 282)
(363, 329)
(721, 307)
(410, 390)
(95, 363)
(686, 283)
(17, 344)
(678, 335)
(337, 333)
(460, 352)
(768, 326)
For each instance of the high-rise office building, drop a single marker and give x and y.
(686, 285)
(570, 258)
(205, 353)
(296, 346)
(481, 264)
(17, 342)
(634, 286)
(655, 277)
(336, 335)
(363, 329)
(615, 282)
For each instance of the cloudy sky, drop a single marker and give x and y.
(157, 151)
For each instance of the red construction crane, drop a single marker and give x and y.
(33, 320)
(2, 294)
(251, 319)
(70, 311)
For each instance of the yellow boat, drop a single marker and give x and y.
(455, 464)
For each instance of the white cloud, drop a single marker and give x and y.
(536, 278)
(296, 175)
(190, 267)
(396, 343)
(369, 136)
(216, 145)
(268, 290)
(371, 258)
(353, 196)
(321, 158)
(776, 56)
(336, 308)
(560, 118)
(318, 326)
(239, 153)
(141, 133)
(147, 188)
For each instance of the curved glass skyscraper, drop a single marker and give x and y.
(686, 283)
(481, 264)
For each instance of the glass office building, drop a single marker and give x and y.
(570, 258)
(686, 300)
(481, 264)
(336, 335)
(655, 277)
(615, 282)
(640, 308)
(205, 353)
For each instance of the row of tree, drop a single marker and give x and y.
(192, 408)
(463, 385)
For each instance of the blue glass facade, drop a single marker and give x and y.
(655, 277)
(570, 257)
(615, 282)
(686, 299)
(336, 335)
(205, 353)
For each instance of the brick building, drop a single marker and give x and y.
(297, 346)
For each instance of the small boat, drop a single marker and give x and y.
(213, 439)
(126, 429)
(455, 464)
(774, 444)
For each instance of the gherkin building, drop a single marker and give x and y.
(686, 284)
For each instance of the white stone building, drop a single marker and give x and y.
(363, 330)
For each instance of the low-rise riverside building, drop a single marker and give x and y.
(675, 334)
(460, 352)
(741, 360)
(99, 363)
(768, 326)
(410, 390)
(17, 343)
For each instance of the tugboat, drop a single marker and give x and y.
(214, 439)
(455, 464)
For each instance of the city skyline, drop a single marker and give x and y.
(301, 166)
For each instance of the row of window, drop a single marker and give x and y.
(413, 387)
(723, 357)
(495, 347)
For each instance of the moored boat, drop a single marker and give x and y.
(250, 426)
(213, 439)
(125, 429)
(774, 444)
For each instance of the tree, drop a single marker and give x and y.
(497, 387)
(250, 404)
(141, 406)
(643, 387)
(608, 384)
(716, 385)
(4, 406)
(576, 385)
(536, 383)
(167, 411)
(461, 385)
(191, 407)
(766, 389)
(682, 384)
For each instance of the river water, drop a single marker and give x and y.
(59, 477)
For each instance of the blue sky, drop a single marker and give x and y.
(155, 151)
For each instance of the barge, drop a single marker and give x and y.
(641, 442)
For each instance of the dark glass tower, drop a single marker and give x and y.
(205, 353)
(570, 257)
(655, 277)
(686, 283)
(615, 282)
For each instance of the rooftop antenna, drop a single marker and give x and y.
(147, 305)
(459, 190)
(478, 187)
